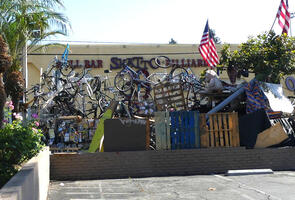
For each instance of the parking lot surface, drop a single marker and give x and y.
(280, 185)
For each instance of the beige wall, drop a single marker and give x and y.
(106, 52)
(38, 60)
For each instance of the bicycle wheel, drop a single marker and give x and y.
(103, 103)
(93, 110)
(95, 84)
(178, 74)
(162, 61)
(123, 81)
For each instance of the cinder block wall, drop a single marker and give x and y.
(165, 163)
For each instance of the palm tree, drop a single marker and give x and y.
(19, 22)
(5, 61)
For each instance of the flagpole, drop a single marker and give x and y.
(272, 25)
(289, 19)
(291, 16)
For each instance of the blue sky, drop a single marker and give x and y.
(157, 21)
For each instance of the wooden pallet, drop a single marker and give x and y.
(162, 130)
(177, 130)
(221, 130)
(169, 95)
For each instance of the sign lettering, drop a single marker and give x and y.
(86, 63)
(141, 63)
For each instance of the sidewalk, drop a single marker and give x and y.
(279, 185)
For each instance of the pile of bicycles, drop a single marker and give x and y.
(65, 90)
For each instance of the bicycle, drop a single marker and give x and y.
(190, 82)
(177, 72)
(39, 97)
(131, 83)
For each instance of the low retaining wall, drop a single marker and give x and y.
(164, 163)
(31, 182)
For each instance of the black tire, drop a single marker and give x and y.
(162, 61)
(94, 111)
(103, 103)
(95, 84)
(123, 81)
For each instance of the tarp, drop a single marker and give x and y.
(267, 96)
(276, 98)
(256, 99)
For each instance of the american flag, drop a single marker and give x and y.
(207, 48)
(283, 16)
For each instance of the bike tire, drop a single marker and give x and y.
(123, 81)
(162, 61)
(177, 74)
(95, 84)
(103, 104)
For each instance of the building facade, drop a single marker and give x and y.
(103, 57)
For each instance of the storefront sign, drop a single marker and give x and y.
(141, 63)
(86, 63)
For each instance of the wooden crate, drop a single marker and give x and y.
(177, 130)
(169, 95)
(220, 130)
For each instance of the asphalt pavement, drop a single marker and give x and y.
(279, 185)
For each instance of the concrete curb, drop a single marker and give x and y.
(248, 172)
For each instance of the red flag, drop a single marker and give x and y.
(207, 48)
(283, 16)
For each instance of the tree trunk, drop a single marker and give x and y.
(2, 101)
(14, 87)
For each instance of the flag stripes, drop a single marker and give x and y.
(283, 16)
(207, 49)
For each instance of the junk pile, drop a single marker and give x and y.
(178, 110)
(254, 115)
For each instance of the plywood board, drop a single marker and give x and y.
(271, 136)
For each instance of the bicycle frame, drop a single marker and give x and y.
(135, 76)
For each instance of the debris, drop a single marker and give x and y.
(211, 189)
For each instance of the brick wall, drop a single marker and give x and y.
(165, 163)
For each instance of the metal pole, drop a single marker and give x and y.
(226, 101)
(25, 68)
(272, 26)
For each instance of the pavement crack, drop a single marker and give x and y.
(138, 185)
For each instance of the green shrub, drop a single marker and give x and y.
(19, 141)
(269, 56)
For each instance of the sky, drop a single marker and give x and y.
(157, 21)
